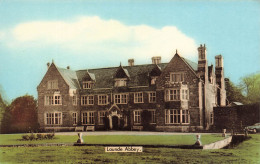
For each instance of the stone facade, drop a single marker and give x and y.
(175, 96)
(236, 117)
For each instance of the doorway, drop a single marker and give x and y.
(115, 123)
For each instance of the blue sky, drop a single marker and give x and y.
(93, 34)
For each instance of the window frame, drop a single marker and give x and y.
(150, 97)
(120, 97)
(48, 100)
(52, 84)
(153, 116)
(86, 99)
(89, 116)
(175, 116)
(137, 117)
(54, 99)
(174, 96)
(101, 116)
(55, 117)
(57, 100)
(184, 94)
(185, 115)
(175, 79)
(75, 118)
(138, 97)
(101, 99)
(120, 82)
(74, 100)
(87, 84)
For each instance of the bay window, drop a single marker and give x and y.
(175, 116)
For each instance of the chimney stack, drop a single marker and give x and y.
(219, 71)
(156, 59)
(219, 61)
(131, 62)
(202, 52)
(203, 63)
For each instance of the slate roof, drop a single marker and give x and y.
(70, 77)
(138, 75)
(193, 65)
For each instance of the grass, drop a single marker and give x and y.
(246, 152)
(15, 139)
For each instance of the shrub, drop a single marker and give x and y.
(40, 136)
(26, 137)
(32, 137)
(50, 135)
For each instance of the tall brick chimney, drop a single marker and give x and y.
(203, 63)
(219, 71)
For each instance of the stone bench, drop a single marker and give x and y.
(90, 128)
(79, 128)
(137, 128)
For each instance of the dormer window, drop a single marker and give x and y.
(177, 77)
(121, 77)
(120, 82)
(87, 84)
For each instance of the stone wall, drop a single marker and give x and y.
(163, 82)
(66, 108)
(236, 117)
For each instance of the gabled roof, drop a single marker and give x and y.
(89, 77)
(70, 77)
(192, 64)
(156, 71)
(139, 75)
(121, 73)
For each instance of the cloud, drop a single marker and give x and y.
(95, 35)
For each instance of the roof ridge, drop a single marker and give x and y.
(117, 67)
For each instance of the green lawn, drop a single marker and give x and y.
(13, 139)
(246, 152)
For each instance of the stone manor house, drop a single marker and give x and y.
(175, 96)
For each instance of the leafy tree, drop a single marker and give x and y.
(250, 86)
(23, 114)
(3, 115)
(234, 93)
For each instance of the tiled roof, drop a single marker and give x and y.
(70, 77)
(139, 75)
(193, 65)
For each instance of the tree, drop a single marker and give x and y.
(3, 115)
(250, 86)
(234, 93)
(23, 114)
